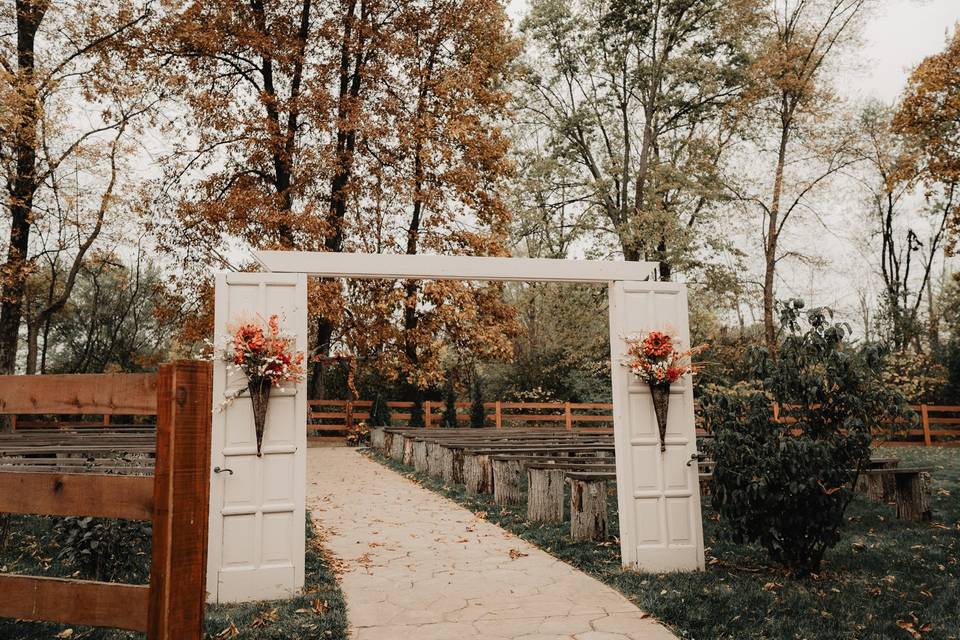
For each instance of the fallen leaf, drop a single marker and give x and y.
(265, 618)
(230, 631)
(908, 627)
(320, 607)
(516, 553)
(66, 633)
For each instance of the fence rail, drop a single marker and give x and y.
(335, 416)
(938, 423)
(175, 500)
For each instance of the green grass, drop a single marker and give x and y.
(884, 574)
(320, 613)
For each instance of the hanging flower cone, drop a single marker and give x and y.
(660, 393)
(259, 397)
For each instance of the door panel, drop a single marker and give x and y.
(257, 511)
(658, 493)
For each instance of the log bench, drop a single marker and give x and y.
(588, 504)
(911, 491)
(879, 487)
(545, 486)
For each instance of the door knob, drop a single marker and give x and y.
(219, 470)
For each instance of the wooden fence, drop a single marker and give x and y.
(334, 416)
(175, 500)
(939, 424)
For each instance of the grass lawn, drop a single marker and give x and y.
(885, 579)
(320, 613)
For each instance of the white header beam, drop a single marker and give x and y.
(428, 267)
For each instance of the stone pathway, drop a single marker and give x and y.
(420, 567)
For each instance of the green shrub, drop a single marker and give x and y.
(450, 405)
(379, 412)
(478, 415)
(104, 549)
(786, 484)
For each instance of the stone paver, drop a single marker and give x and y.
(420, 567)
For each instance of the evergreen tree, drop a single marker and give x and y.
(477, 413)
(379, 412)
(450, 405)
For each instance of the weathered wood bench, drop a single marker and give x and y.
(588, 504)
(545, 486)
(911, 491)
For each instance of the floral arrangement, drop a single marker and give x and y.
(653, 357)
(267, 356)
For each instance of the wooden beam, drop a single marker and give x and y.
(96, 394)
(97, 604)
(77, 494)
(182, 491)
(431, 267)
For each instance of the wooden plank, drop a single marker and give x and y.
(77, 494)
(925, 421)
(97, 604)
(182, 489)
(97, 394)
(434, 267)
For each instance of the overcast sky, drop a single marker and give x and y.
(897, 35)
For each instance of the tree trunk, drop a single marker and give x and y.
(477, 474)
(396, 447)
(420, 456)
(773, 236)
(23, 186)
(913, 496)
(506, 481)
(588, 509)
(545, 495)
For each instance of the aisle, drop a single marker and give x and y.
(420, 567)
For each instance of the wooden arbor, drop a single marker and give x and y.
(175, 500)
(657, 489)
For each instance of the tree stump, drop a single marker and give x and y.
(506, 481)
(434, 460)
(913, 496)
(476, 473)
(457, 458)
(396, 447)
(588, 508)
(376, 438)
(387, 443)
(446, 464)
(420, 456)
(545, 495)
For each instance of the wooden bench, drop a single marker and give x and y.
(588, 504)
(911, 491)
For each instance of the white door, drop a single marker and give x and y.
(257, 504)
(658, 493)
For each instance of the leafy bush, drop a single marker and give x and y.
(786, 483)
(103, 549)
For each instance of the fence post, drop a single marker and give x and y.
(567, 416)
(13, 423)
(427, 414)
(181, 501)
(497, 416)
(348, 414)
(925, 419)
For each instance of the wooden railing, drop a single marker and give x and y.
(175, 500)
(937, 422)
(334, 416)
